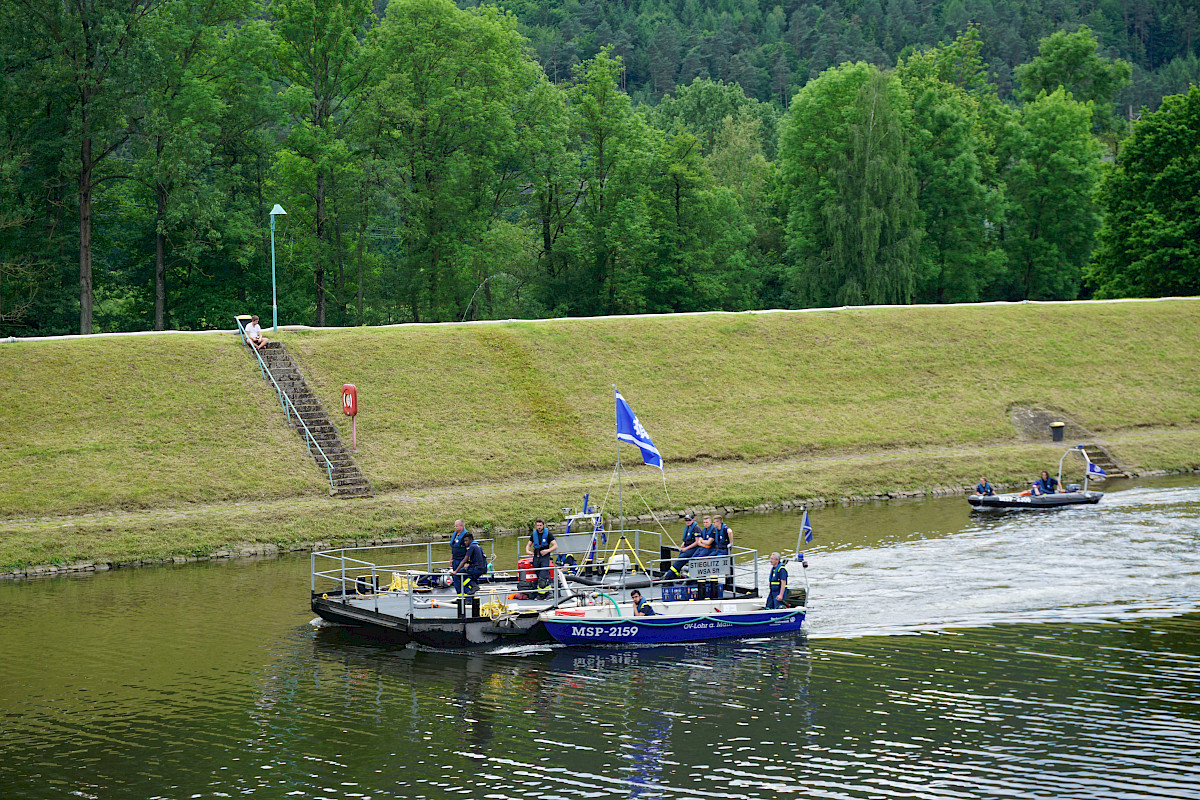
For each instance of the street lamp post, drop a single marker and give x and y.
(277, 210)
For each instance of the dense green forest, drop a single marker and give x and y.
(549, 158)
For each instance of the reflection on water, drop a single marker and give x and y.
(949, 655)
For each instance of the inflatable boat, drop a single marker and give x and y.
(1076, 496)
(1034, 501)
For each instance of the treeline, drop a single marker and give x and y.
(431, 169)
(771, 48)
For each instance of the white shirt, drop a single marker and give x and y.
(253, 331)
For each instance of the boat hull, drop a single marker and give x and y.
(1034, 501)
(673, 629)
(448, 632)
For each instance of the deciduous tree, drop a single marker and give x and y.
(1052, 163)
(850, 189)
(322, 59)
(1071, 61)
(87, 59)
(1150, 241)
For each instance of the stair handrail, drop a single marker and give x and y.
(288, 406)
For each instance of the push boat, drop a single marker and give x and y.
(673, 622)
(402, 593)
(1077, 494)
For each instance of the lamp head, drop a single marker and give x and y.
(278, 210)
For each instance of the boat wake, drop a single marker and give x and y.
(1135, 555)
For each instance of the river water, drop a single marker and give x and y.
(948, 655)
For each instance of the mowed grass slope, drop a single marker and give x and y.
(458, 404)
(156, 421)
(137, 422)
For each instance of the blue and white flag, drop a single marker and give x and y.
(629, 429)
(806, 535)
(1095, 471)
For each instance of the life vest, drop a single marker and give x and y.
(476, 556)
(689, 534)
(458, 550)
(643, 606)
(540, 542)
(778, 578)
(722, 537)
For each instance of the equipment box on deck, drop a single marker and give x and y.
(673, 593)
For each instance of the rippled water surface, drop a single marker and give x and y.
(949, 655)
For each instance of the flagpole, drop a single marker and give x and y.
(800, 535)
(620, 499)
(805, 536)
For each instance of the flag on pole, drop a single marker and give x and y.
(806, 535)
(1095, 471)
(629, 429)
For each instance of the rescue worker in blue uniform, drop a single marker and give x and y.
(688, 546)
(541, 546)
(641, 607)
(777, 587)
(984, 488)
(471, 568)
(458, 551)
(722, 536)
(722, 540)
(1049, 483)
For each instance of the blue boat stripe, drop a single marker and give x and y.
(665, 624)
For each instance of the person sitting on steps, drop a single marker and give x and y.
(254, 334)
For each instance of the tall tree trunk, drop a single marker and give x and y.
(340, 300)
(319, 267)
(362, 244)
(160, 247)
(85, 234)
(545, 203)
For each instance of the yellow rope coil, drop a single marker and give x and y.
(494, 607)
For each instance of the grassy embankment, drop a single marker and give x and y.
(151, 447)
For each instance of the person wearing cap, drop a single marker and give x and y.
(541, 546)
(641, 607)
(689, 546)
(254, 334)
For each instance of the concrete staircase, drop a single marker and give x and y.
(1100, 456)
(348, 480)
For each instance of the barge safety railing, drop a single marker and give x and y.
(346, 571)
(346, 568)
(289, 407)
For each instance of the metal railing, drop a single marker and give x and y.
(289, 408)
(343, 570)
